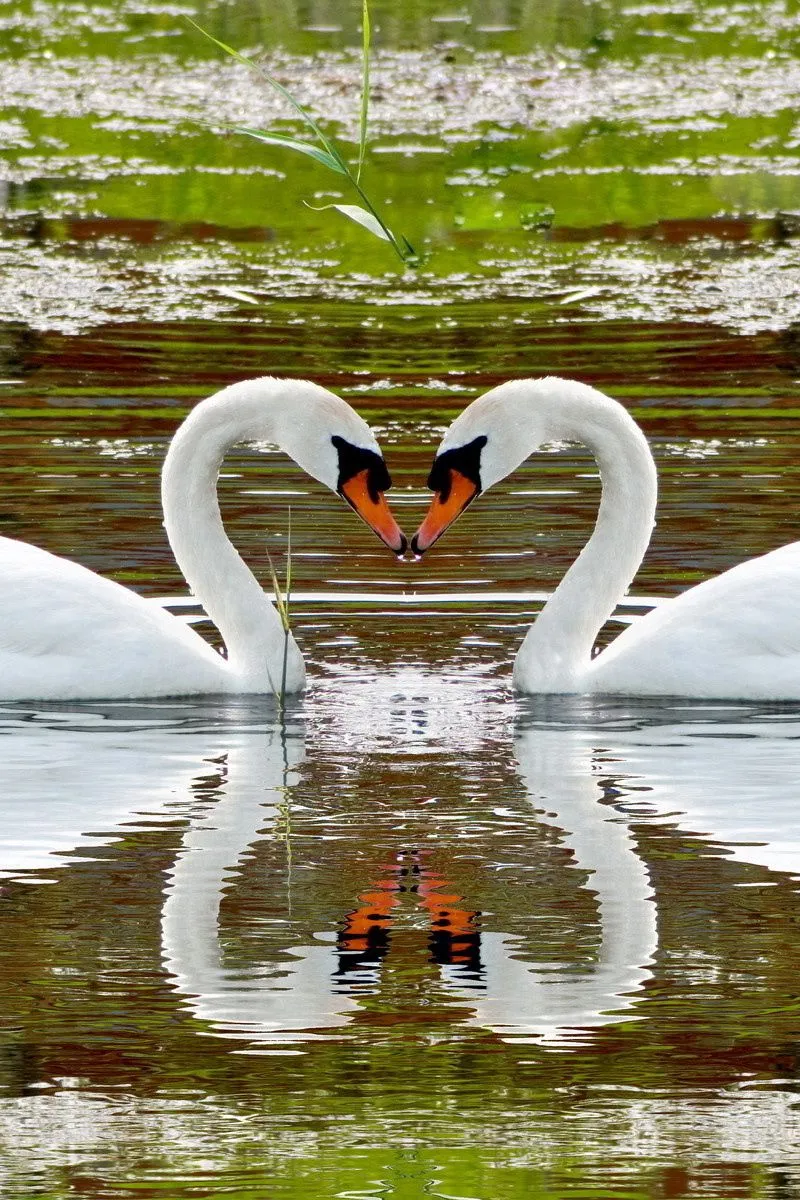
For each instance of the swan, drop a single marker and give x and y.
(736, 636)
(69, 634)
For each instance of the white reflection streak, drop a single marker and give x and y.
(60, 784)
(731, 781)
(558, 775)
(264, 1004)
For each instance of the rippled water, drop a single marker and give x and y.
(420, 937)
(421, 933)
(423, 938)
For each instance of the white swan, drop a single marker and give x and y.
(67, 633)
(734, 636)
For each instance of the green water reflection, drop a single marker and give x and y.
(674, 123)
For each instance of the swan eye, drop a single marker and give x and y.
(353, 460)
(464, 459)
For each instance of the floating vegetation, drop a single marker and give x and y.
(324, 150)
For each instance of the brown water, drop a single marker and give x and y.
(420, 938)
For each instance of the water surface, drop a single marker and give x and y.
(418, 937)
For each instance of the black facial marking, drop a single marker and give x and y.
(464, 459)
(354, 459)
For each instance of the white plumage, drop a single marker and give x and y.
(734, 636)
(69, 634)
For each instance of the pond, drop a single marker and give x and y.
(416, 935)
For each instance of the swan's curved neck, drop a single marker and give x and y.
(557, 649)
(213, 569)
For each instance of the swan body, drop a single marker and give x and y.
(732, 637)
(69, 634)
(735, 636)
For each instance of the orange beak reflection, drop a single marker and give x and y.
(443, 512)
(371, 506)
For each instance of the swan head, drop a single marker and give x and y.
(486, 442)
(362, 479)
(332, 443)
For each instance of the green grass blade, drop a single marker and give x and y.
(361, 217)
(284, 665)
(328, 156)
(287, 95)
(279, 139)
(288, 563)
(410, 252)
(365, 51)
(287, 623)
(279, 601)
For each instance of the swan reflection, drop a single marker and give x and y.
(726, 772)
(589, 775)
(560, 775)
(297, 992)
(476, 859)
(488, 976)
(76, 776)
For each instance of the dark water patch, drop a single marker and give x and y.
(76, 229)
(676, 231)
(143, 232)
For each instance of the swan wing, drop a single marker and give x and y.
(67, 633)
(734, 636)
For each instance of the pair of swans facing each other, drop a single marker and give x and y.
(67, 633)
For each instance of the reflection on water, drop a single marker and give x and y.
(416, 879)
(421, 888)
(724, 771)
(75, 779)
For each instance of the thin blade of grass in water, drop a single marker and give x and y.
(364, 121)
(287, 601)
(276, 588)
(282, 605)
(325, 142)
(358, 214)
(327, 154)
(278, 139)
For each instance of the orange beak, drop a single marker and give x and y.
(371, 506)
(443, 512)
